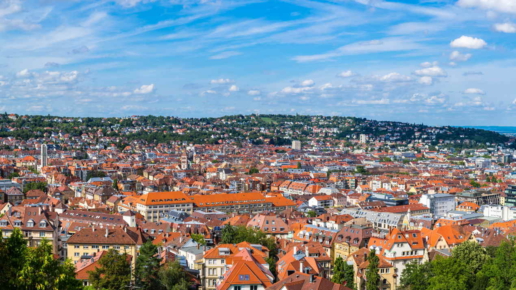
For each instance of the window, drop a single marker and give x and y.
(41, 234)
(243, 277)
(76, 254)
(237, 288)
(105, 247)
(254, 287)
(76, 246)
(43, 224)
(95, 246)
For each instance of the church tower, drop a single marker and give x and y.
(184, 160)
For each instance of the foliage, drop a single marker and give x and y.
(35, 185)
(95, 173)
(147, 267)
(361, 170)
(237, 234)
(33, 268)
(198, 238)
(13, 175)
(343, 273)
(254, 170)
(311, 213)
(470, 267)
(42, 271)
(173, 277)
(474, 184)
(373, 278)
(114, 271)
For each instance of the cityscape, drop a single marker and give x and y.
(257, 145)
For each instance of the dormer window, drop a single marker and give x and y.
(42, 224)
(17, 223)
(30, 223)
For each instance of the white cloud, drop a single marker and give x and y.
(294, 90)
(254, 92)
(225, 54)
(346, 74)
(24, 73)
(364, 47)
(429, 64)
(505, 27)
(233, 88)
(426, 80)
(395, 77)
(434, 71)
(144, 89)
(457, 56)
(221, 81)
(504, 6)
(474, 91)
(307, 83)
(468, 42)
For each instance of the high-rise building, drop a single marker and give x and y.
(296, 145)
(363, 138)
(44, 155)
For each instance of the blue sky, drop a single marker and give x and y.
(434, 62)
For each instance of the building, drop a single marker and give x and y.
(350, 239)
(89, 241)
(479, 197)
(386, 270)
(296, 145)
(510, 195)
(154, 205)
(44, 155)
(321, 201)
(246, 272)
(383, 221)
(214, 263)
(363, 138)
(399, 248)
(439, 204)
(503, 212)
(302, 281)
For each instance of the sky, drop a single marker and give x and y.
(436, 62)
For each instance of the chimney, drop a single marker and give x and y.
(295, 250)
(306, 251)
(107, 232)
(93, 228)
(301, 267)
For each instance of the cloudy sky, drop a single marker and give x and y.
(437, 62)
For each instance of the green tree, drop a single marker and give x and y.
(115, 184)
(349, 275)
(173, 277)
(254, 170)
(501, 270)
(338, 271)
(311, 213)
(35, 185)
(373, 278)
(473, 254)
(42, 271)
(416, 276)
(13, 251)
(228, 234)
(114, 272)
(198, 238)
(299, 165)
(474, 184)
(147, 267)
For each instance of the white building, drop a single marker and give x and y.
(439, 204)
(44, 155)
(363, 138)
(296, 145)
(506, 213)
